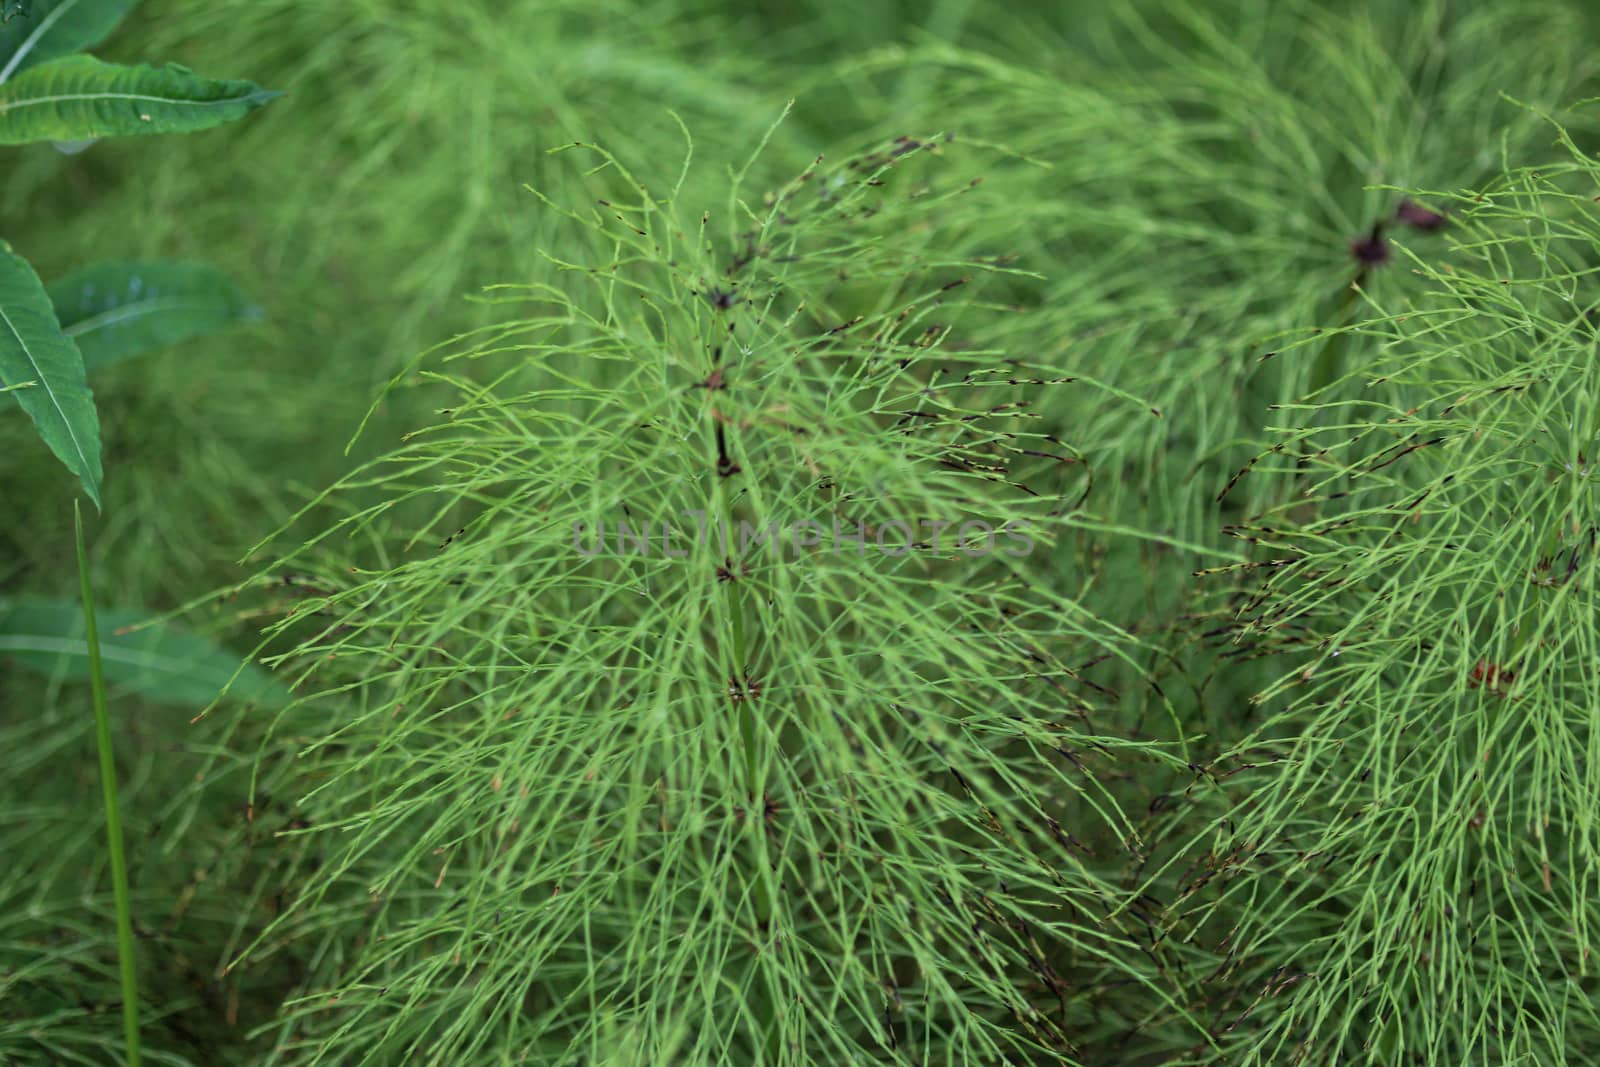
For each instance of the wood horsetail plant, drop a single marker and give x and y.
(1402, 863)
(701, 704)
(795, 631)
(49, 92)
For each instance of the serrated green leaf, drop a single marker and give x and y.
(34, 349)
(48, 29)
(159, 662)
(118, 310)
(79, 97)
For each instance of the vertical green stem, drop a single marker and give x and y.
(1329, 363)
(736, 656)
(108, 785)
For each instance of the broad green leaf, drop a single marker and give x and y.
(51, 28)
(117, 310)
(79, 97)
(33, 349)
(159, 662)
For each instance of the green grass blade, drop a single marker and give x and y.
(47, 29)
(33, 349)
(108, 782)
(80, 97)
(157, 662)
(115, 311)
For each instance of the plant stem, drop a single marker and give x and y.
(108, 784)
(763, 889)
(1329, 364)
(737, 653)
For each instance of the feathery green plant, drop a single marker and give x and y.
(1403, 868)
(1187, 178)
(700, 799)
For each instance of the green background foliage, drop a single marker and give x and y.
(1278, 748)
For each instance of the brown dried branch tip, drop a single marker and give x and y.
(1494, 677)
(747, 688)
(1421, 218)
(721, 299)
(1371, 250)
